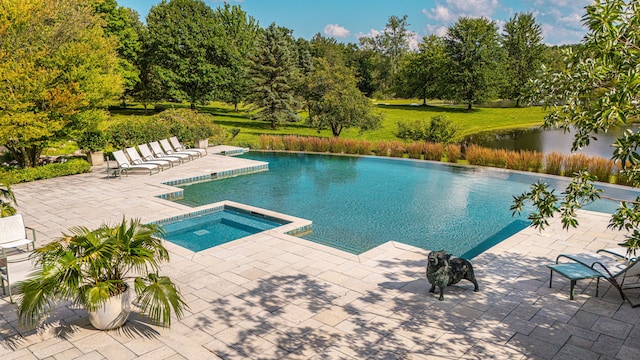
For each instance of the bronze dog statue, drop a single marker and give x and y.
(443, 271)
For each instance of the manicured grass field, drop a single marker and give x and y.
(394, 111)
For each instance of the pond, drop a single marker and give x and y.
(546, 141)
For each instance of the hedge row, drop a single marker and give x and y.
(553, 163)
(49, 171)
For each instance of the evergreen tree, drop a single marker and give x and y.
(273, 74)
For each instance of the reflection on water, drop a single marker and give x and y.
(546, 141)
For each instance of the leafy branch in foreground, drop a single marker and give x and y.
(598, 88)
(579, 193)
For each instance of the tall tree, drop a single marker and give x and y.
(390, 45)
(420, 73)
(55, 63)
(475, 55)
(185, 50)
(273, 74)
(123, 24)
(596, 90)
(338, 104)
(522, 40)
(239, 33)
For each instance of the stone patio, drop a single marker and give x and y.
(274, 296)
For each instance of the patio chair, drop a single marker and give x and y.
(148, 155)
(13, 233)
(125, 165)
(614, 264)
(159, 153)
(15, 268)
(179, 147)
(136, 159)
(170, 151)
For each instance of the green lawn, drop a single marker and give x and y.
(394, 111)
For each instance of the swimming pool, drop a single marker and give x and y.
(205, 229)
(357, 203)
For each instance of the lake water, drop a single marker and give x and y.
(546, 141)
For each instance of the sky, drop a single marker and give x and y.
(348, 20)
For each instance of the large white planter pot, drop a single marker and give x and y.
(113, 314)
(96, 158)
(201, 144)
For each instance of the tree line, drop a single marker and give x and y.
(64, 60)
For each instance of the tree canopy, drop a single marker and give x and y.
(522, 41)
(474, 52)
(55, 62)
(337, 103)
(184, 43)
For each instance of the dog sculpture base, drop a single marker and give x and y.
(443, 271)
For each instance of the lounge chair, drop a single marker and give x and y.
(614, 264)
(13, 235)
(148, 155)
(170, 151)
(178, 146)
(136, 159)
(159, 153)
(125, 165)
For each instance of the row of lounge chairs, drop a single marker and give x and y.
(155, 156)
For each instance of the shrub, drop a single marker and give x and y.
(575, 163)
(554, 162)
(453, 152)
(49, 171)
(291, 142)
(336, 145)
(415, 150)
(600, 168)
(350, 146)
(396, 148)
(365, 147)
(383, 148)
(94, 140)
(439, 129)
(433, 151)
(477, 155)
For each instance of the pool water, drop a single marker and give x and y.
(358, 203)
(204, 231)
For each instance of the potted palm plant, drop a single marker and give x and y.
(94, 269)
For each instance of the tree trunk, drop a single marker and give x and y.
(469, 104)
(193, 105)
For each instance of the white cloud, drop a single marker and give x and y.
(336, 30)
(372, 33)
(439, 13)
(561, 20)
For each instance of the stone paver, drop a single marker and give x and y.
(275, 296)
